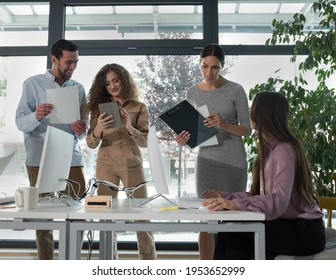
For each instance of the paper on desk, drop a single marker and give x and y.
(204, 111)
(66, 105)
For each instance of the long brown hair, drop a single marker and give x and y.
(98, 93)
(269, 114)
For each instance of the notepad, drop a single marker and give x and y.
(184, 116)
(212, 140)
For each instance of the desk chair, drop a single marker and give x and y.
(329, 252)
(328, 203)
(4, 161)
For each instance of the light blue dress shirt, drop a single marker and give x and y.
(34, 93)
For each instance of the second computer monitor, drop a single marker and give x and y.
(55, 161)
(156, 163)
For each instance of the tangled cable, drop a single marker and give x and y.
(93, 186)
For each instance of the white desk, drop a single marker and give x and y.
(46, 216)
(121, 217)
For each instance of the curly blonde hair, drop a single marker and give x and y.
(98, 93)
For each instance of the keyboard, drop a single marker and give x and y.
(7, 200)
(187, 202)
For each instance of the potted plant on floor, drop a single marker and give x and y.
(313, 110)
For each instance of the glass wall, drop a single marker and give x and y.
(24, 23)
(250, 22)
(160, 32)
(179, 163)
(16, 69)
(121, 22)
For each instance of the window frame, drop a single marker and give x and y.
(56, 30)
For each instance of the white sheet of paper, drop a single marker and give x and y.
(204, 111)
(66, 105)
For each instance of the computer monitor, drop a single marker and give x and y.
(55, 161)
(156, 163)
(156, 168)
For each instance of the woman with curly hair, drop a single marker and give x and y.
(119, 157)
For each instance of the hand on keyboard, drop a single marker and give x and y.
(189, 202)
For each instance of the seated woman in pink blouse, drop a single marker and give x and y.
(281, 188)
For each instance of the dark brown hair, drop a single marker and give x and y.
(62, 45)
(269, 113)
(213, 50)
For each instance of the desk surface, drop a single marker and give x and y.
(122, 217)
(44, 210)
(122, 210)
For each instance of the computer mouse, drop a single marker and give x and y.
(203, 207)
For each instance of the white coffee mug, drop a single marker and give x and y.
(26, 197)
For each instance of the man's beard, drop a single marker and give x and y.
(63, 75)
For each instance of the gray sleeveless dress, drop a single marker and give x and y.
(222, 167)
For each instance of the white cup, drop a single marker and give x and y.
(26, 197)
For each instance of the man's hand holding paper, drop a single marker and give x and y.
(42, 110)
(78, 127)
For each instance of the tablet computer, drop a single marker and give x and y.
(184, 116)
(111, 108)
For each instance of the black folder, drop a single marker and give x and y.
(184, 116)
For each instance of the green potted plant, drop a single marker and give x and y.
(313, 111)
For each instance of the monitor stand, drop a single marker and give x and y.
(151, 198)
(57, 195)
(130, 192)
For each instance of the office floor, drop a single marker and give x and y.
(28, 254)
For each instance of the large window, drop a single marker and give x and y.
(120, 22)
(14, 70)
(250, 22)
(179, 163)
(133, 33)
(24, 23)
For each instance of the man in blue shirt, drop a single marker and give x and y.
(32, 119)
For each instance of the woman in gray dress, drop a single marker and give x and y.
(222, 165)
